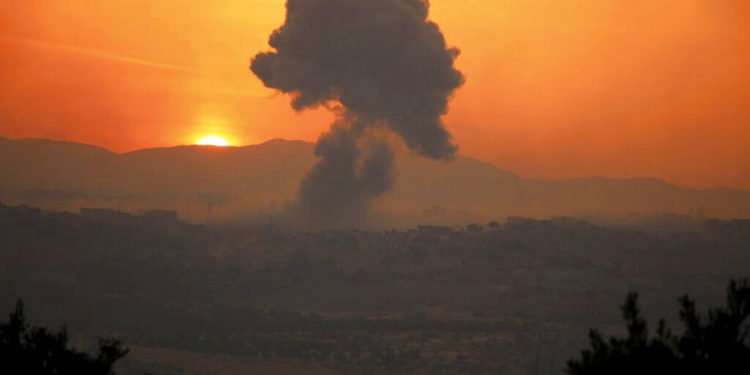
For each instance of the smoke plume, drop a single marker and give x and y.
(381, 64)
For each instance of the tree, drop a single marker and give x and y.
(714, 342)
(37, 351)
(474, 228)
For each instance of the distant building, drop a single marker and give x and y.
(162, 216)
(728, 226)
(102, 213)
(19, 210)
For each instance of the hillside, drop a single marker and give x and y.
(239, 180)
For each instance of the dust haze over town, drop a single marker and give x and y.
(377, 249)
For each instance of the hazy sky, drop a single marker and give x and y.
(555, 89)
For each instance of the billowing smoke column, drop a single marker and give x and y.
(388, 67)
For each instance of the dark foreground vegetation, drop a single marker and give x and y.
(713, 342)
(513, 297)
(30, 350)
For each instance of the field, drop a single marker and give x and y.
(515, 297)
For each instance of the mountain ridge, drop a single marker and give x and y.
(268, 174)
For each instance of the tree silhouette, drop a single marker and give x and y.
(37, 351)
(714, 342)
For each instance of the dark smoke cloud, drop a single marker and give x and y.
(351, 170)
(388, 67)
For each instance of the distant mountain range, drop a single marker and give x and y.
(235, 180)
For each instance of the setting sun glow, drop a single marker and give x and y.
(212, 140)
(563, 89)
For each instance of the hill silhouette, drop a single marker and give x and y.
(263, 176)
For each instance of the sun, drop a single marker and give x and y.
(212, 140)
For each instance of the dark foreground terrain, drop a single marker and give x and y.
(515, 297)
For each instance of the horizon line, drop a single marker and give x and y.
(520, 176)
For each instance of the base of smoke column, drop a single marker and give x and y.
(295, 218)
(355, 168)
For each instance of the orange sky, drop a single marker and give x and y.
(555, 89)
